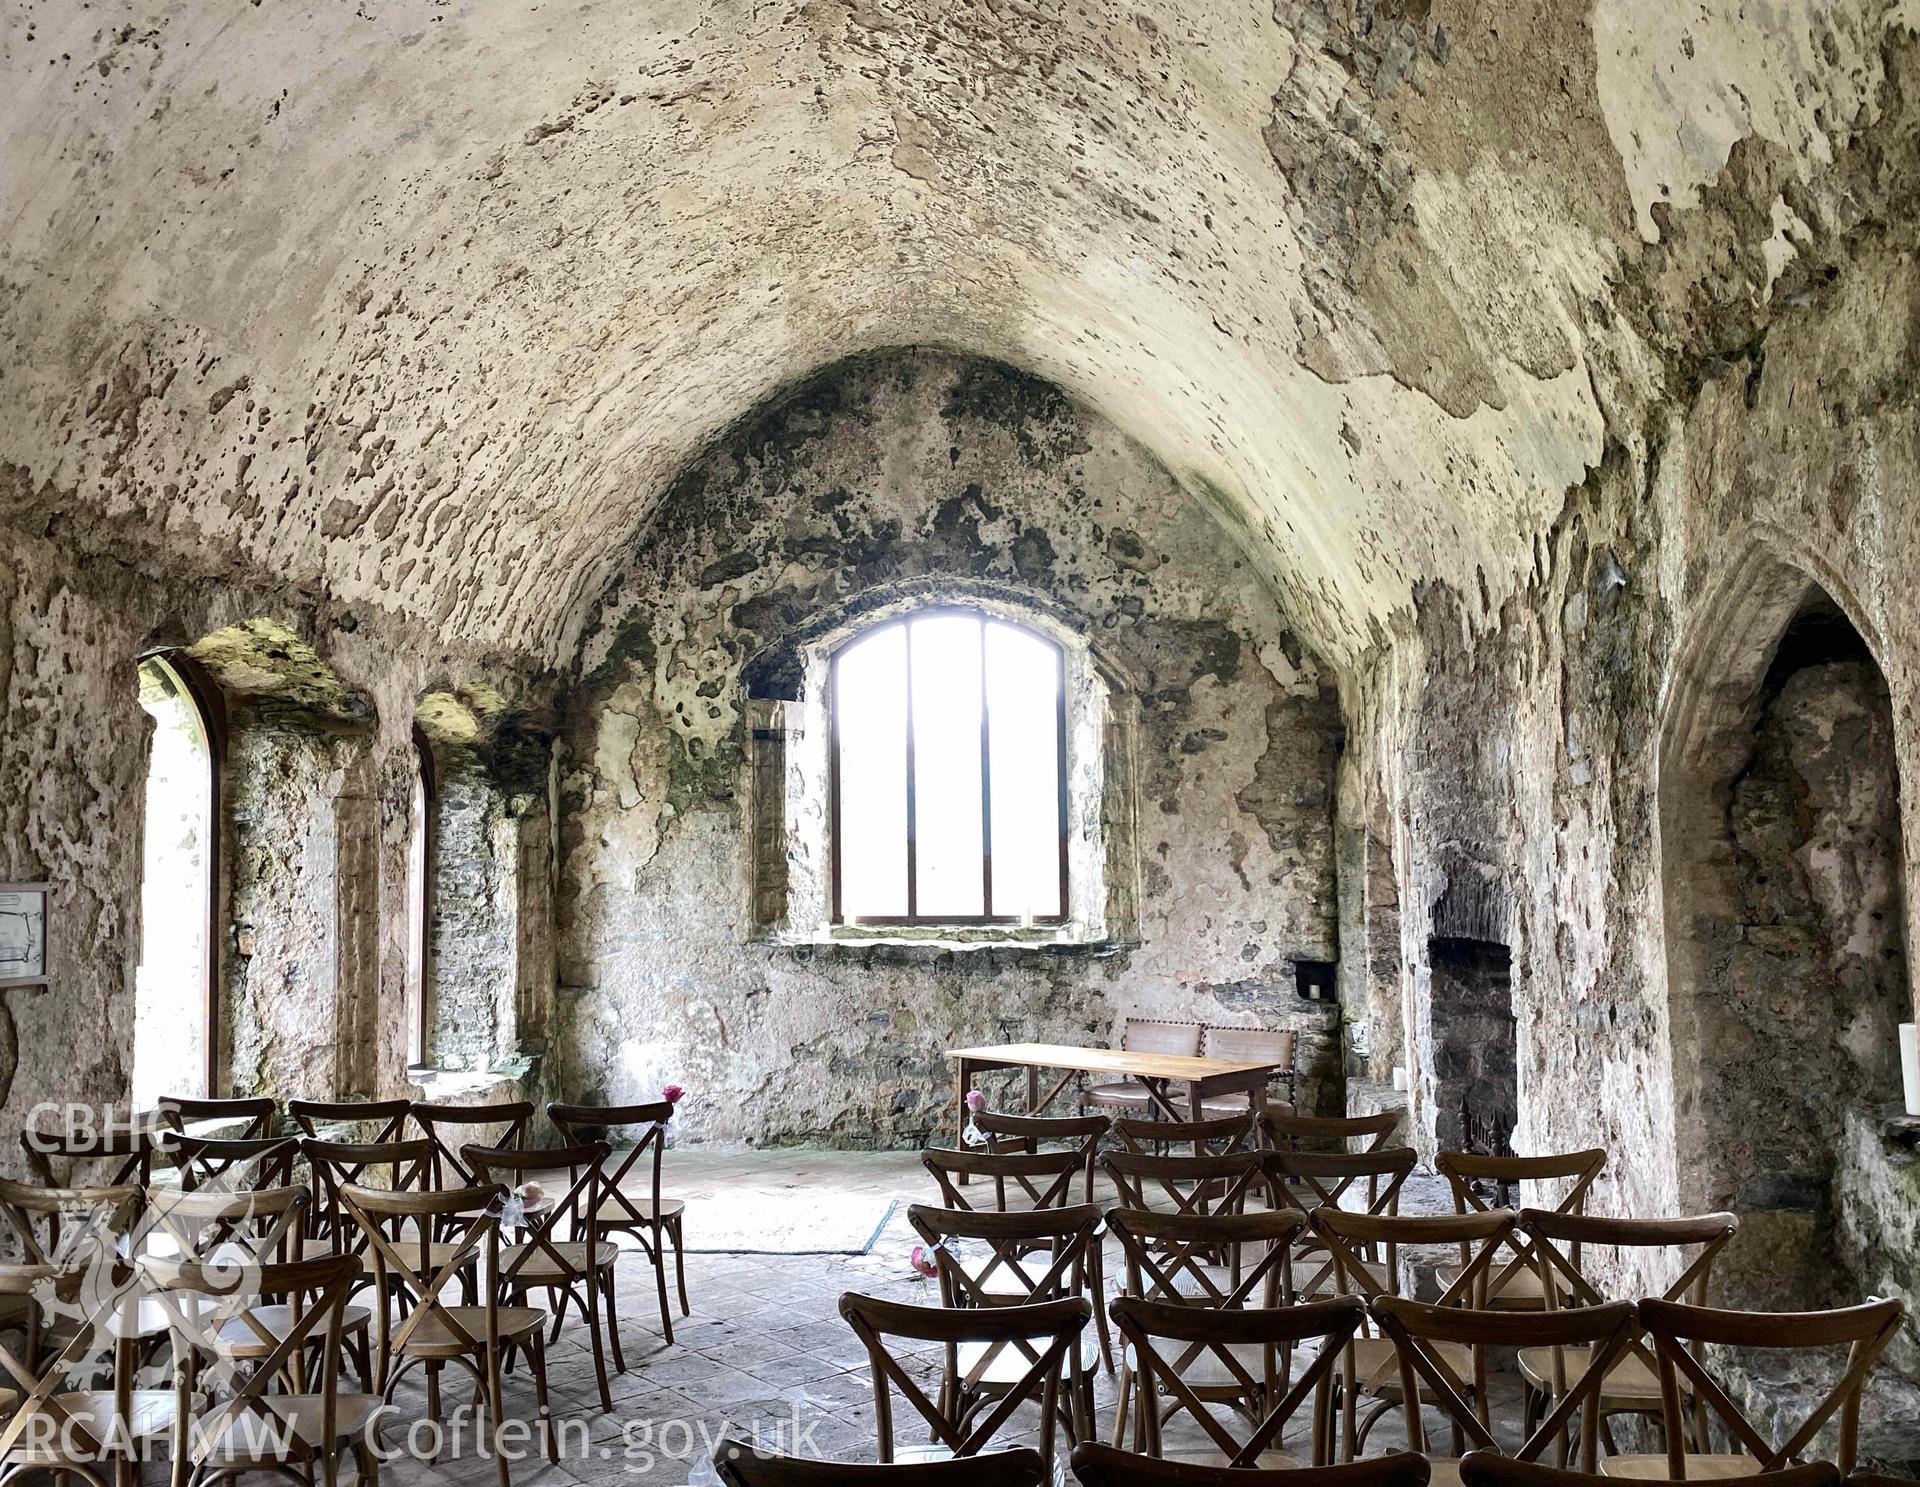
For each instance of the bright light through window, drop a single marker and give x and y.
(948, 764)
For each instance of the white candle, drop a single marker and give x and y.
(1400, 1076)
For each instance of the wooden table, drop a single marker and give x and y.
(1203, 1077)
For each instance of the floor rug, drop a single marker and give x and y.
(747, 1221)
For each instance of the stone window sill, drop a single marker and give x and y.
(910, 948)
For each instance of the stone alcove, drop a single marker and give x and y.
(1780, 827)
(1475, 1050)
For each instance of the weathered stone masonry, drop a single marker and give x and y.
(899, 477)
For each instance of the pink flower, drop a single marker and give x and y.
(672, 1094)
(975, 1099)
(922, 1263)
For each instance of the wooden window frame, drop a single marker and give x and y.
(912, 918)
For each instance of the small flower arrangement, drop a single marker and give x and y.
(518, 1202)
(973, 1135)
(673, 1094)
(924, 1266)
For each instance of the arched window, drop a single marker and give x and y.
(419, 898)
(948, 773)
(174, 1049)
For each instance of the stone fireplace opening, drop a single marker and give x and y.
(1475, 1049)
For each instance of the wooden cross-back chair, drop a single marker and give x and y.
(222, 1324)
(344, 1123)
(53, 1224)
(84, 1432)
(450, 1127)
(1216, 1136)
(1020, 1179)
(66, 1229)
(1515, 1285)
(1227, 1261)
(337, 1165)
(409, 1280)
(1249, 1045)
(236, 1162)
(1018, 1259)
(1082, 1133)
(1633, 1383)
(1186, 1184)
(248, 1228)
(739, 1464)
(1363, 1253)
(1679, 1331)
(1044, 1335)
(559, 1251)
(1421, 1333)
(396, 1166)
(248, 1225)
(1218, 1259)
(1023, 1181)
(1287, 1130)
(1144, 1035)
(1338, 1179)
(1172, 1346)
(652, 1220)
(1095, 1465)
(1486, 1469)
(1357, 1181)
(373, 1120)
(254, 1113)
(125, 1146)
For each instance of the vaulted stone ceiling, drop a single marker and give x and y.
(422, 302)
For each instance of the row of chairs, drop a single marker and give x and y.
(742, 1464)
(1237, 1257)
(404, 1144)
(347, 1252)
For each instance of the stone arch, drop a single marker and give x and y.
(176, 979)
(486, 959)
(1781, 867)
(299, 841)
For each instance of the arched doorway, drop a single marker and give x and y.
(1780, 830)
(173, 985)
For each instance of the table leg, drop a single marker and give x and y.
(1258, 1096)
(1193, 1111)
(962, 1085)
(1033, 1099)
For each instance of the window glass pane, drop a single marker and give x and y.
(1023, 698)
(870, 696)
(946, 746)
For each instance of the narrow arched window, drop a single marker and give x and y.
(419, 897)
(948, 761)
(174, 1050)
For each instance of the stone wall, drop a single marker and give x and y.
(1565, 748)
(489, 958)
(314, 818)
(1808, 975)
(919, 476)
(293, 970)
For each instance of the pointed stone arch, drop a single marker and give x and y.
(1781, 868)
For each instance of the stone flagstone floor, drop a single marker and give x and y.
(765, 1346)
